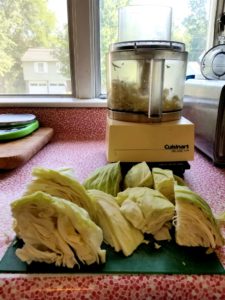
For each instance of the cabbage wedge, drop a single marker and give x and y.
(61, 184)
(195, 223)
(56, 231)
(138, 175)
(146, 209)
(164, 182)
(107, 179)
(117, 231)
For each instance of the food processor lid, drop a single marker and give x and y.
(149, 45)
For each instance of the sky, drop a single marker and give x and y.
(179, 8)
(59, 7)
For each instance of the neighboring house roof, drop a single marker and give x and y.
(39, 54)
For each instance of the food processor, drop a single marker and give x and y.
(145, 86)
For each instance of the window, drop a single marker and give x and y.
(40, 67)
(191, 21)
(34, 38)
(67, 41)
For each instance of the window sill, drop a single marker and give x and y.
(20, 101)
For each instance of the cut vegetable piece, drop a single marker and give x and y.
(164, 182)
(139, 175)
(107, 179)
(163, 233)
(179, 181)
(53, 229)
(117, 231)
(220, 218)
(146, 209)
(61, 184)
(195, 223)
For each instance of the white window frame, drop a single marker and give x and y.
(83, 20)
(84, 40)
(219, 8)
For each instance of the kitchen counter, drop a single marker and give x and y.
(79, 143)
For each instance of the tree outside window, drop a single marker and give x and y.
(28, 24)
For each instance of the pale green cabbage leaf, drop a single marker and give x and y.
(164, 232)
(62, 184)
(56, 231)
(220, 218)
(179, 181)
(195, 223)
(164, 182)
(117, 231)
(139, 175)
(107, 179)
(146, 209)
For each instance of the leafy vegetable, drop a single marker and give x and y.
(56, 231)
(117, 231)
(164, 182)
(139, 175)
(106, 179)
(179, 180)
(61, 184)
(163, 233)
(195, 223)
(145, 208)
(220, 218)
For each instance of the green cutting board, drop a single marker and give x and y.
(168, 259)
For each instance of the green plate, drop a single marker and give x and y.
(168, 259)
(12, 133)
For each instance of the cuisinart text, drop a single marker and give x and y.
(178, 148)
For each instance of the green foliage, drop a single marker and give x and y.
(6, 44)
(61, 52)
(195, 26)
(24, 24)
(109, 28)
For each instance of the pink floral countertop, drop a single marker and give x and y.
(79, 143)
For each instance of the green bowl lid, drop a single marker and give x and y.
(12, 133)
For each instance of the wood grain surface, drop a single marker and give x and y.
(17, 152)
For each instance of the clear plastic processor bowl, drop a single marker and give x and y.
(145, 80)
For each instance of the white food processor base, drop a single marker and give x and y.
(151, 142)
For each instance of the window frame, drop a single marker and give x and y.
(84, 41)
(84, 45)
(219, 10)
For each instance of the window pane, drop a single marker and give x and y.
(190, 25)
(108, 31)
(34, 48)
